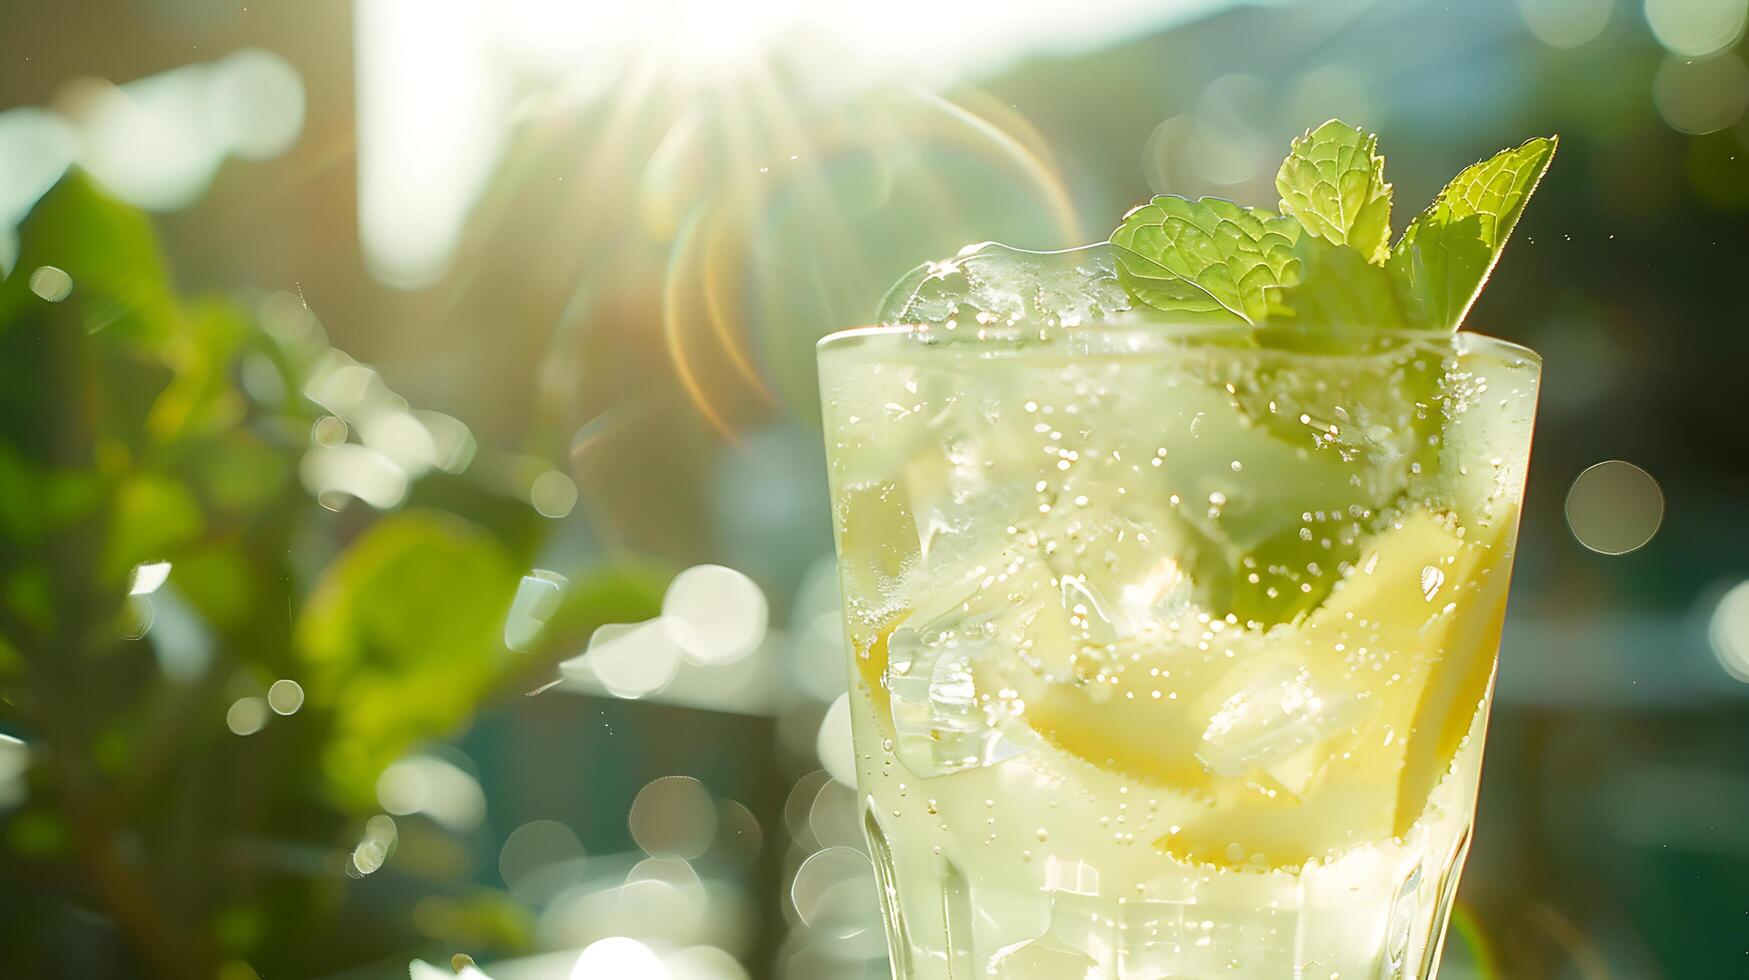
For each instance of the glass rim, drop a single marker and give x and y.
(1153, 338)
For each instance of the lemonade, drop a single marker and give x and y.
(1174, 569)
(1146, 685)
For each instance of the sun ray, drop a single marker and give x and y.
(672, 331)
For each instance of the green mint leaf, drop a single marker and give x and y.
(1205, 257)
(1339, 300)
(1333, 181)
(1448, 251)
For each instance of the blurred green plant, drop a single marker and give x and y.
(155, 833)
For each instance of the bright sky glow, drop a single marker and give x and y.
(435, 85)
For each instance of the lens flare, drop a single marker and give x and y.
(787, 222)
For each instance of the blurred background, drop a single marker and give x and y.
(413, 532)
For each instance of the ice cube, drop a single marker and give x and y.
(989, 286)
(1118, 577)
(1273, 722)
(941, 721)
(1071, 877)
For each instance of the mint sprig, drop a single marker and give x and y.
(1205, 257)
(1323, 276)
(1324, 269)
(1450, 249)
(1333, 181)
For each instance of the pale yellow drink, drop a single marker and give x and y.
(1171, 650)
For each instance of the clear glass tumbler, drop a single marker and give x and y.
(1171, 650)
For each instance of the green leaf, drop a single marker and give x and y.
(121, 285)
(154, 516)
(1340, 299)
(1448, 251)
(1205, 257)
(403, 637)
(1333, 181)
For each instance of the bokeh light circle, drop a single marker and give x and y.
(1728, 631)
(1334, 90)
(1699, 96)
(329, 430)
(539, 859)
(631, 660)
(1566, 23)
(246, 716)
(834, 892)
(51, 284)
(616, 957)
(1231, 151)
(716, 614)
(674, 816)
(703, 963)
(374, 849)
(553, 494)
(255, 103)
(436, 787)
(1614, 507)
(1697, 27)
(833, 744)
(739, 836)
(285, 697)
(835, 817)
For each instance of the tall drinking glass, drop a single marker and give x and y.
(1171, 650)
